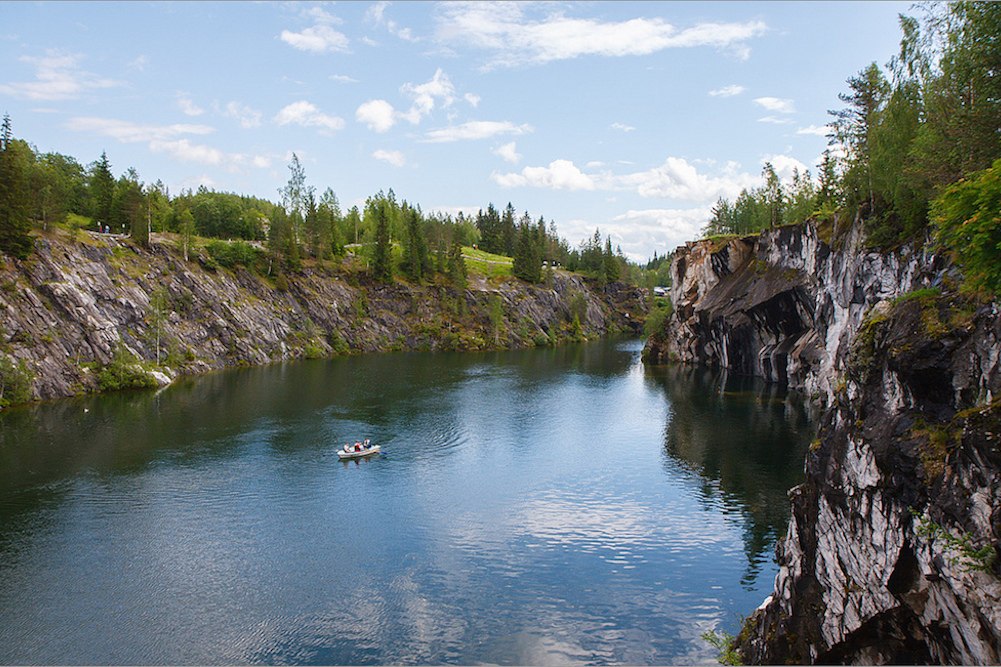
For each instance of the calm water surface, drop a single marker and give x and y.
(544, 507)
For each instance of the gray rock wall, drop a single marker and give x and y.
(891, 555)
(73, 304)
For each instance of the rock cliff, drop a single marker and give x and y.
(79, 304)
(891, 555)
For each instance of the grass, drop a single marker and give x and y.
(486, 264)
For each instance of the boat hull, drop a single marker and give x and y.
(343, 455)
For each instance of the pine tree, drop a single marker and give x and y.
(15, 223)
(382, 267)
(102, 190)
(415, 258)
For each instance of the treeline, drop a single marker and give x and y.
(393, 237)
(930, 119)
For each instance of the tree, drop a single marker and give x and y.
(15, 223)
(456, 266)
(527, 263)
(854, 126)
(774, 198)
(159, 309)
(186, 227)
(611, 270)
(416, 260)
(102, 190)
(382, 267)
(967, 217)
(294, 198)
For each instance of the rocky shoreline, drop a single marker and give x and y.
(84, 303)
(891, 555)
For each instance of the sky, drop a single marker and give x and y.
(628, 117)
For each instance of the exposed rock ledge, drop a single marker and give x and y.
(66, 310)
(891, 551)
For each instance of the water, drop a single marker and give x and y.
(547, 506)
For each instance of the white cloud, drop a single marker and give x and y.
(394, 158)
(727, 91)
(168, 139)
(622, 127)
(516, 39)
(376, 13)
(379, 115)
(784, 165)
(318, 38)
(246, 116)
(675, 179)
(139, 63)
(661, 229)
(473, 99)
(559, 175)
(183, 149)
(57, 77)
(475, 129)
(775, 120)
(509, 153)
(128, 132)
(817, 130)
(307, 115)
(776, 104)
(188, 107)
(343, 78)
(424, 96)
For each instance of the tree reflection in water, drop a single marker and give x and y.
(745, 440)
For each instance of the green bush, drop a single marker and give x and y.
(967, 218)
(233, 253)
(657, 316)
(124, 372)
(15, 382)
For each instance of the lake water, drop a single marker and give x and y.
(548, 506)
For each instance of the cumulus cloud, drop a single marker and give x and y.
(475, 129)
(307, 115)
(379, 115)
(394, 158)
(675, 179)
(58, 76)
(559, 175)
(438, 92)
(508, 152)
(661, 229)
(727, 91)
(473, 99)
(622, 127)
(776, 104)
(517, 39)
(785, 165)
(183, 149)
(425, 95)
(246, 116)
(319, 37)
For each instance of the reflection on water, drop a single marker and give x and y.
(542, 507)
(745, 440)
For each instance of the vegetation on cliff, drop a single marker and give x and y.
(919, 136)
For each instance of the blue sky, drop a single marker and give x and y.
(629, 117)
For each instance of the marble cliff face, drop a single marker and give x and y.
(891, 554)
